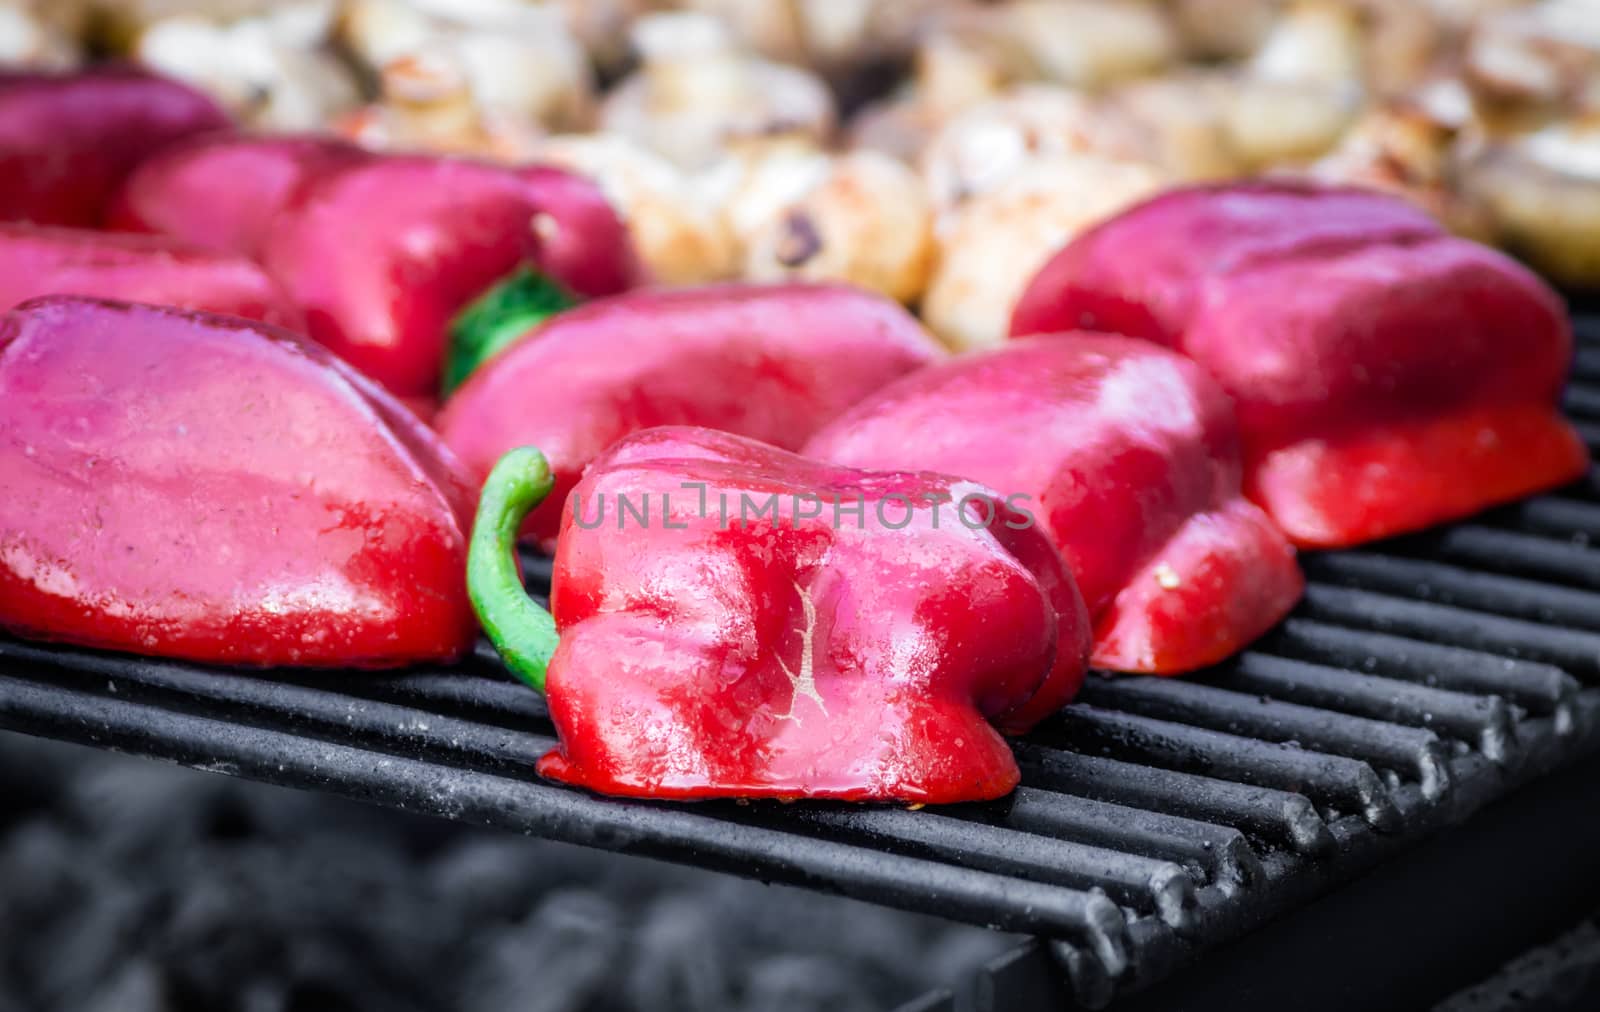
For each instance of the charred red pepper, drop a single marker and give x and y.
(203, 487)
(791, 652)
(68, 140)
(1387, 376)
(1128, 456)
(382, 252)
(773, 362)
(38, 261)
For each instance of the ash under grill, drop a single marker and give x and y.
(1420, 680)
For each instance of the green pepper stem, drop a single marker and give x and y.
(523, 633)
(497, 318)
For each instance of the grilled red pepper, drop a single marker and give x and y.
(38, 261)
(792, 653)
(223, 191)
(68, 140)
(1128, 456)
(382, 252)
(1387, 375)
(204, 487)
(773, 362)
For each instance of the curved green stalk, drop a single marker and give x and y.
(523, 633)
(497, 319)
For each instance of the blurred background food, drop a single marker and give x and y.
(932, 150)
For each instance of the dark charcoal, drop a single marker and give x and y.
(135, 887)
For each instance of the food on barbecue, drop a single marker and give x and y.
(772, 362)
(1540, 192)
(1127, 456)
(996, 139)
(67, 140)
(381, 253)
(1409, 147)
(676, 224)
(950, 74)
(1091, 43)
(31, 37)
(831, 36)
(272, 69)
(483, 79)
(788, 654)
(203, 487)
(996, 241)
(427, 104)
(37, 260)
(224, 191)
(1535, 59)
(800, 214)
(1388, 376)
(696, 92)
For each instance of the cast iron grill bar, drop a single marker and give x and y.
(1586, 364)
(1553, 515)
(1507, 596)
(1513, 552)
(1333, 782)
(1282, 818)
(1401, 749)
(1575, 650)
(1485, 721)
(1583, 400)
(1543, 689)
(1216, 855)
(1589, 432)
(529, 806)
(1145, 884)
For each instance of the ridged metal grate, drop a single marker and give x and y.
(1420, 680)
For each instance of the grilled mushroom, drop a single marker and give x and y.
(864, 220)
(676, 228)
(273, 70)
(37, 33)
(696, 92)
(1541, 191)
(992, 141)
(999, 239)
(519, 64)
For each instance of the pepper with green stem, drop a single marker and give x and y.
(781, 654)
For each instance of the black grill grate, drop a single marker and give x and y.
(1420, 680)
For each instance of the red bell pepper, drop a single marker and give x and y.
(223, 191)
(382, 252)
(1387, 376)
(68, 140)
(772, 362)
(795, 652)
(1128, 455)
(203, 487)
(38, 261)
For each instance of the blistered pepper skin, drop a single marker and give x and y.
(68, 140)
(772, 362)
(36, 261)
(793, 656)
(201, 487)
(224, 191)
(381, 254)
(1127, 456)
(1387, 376)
